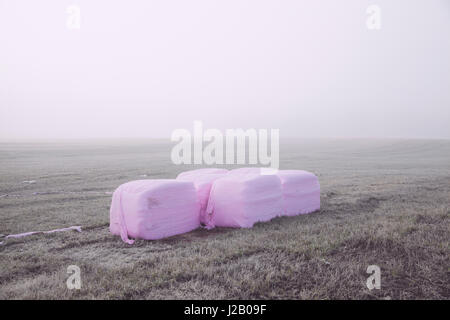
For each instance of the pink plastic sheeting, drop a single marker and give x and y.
(154, 209)
(301, 189)
(25, 234)
(203, 180)
(241, 200)
(301, 192)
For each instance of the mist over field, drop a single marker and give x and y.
(146, 68)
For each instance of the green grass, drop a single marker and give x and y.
(384, 202)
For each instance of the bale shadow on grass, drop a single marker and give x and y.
(197, 234)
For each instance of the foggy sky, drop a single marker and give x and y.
(145, 68)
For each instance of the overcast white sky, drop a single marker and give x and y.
(143, 68)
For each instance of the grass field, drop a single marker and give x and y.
(384, 202)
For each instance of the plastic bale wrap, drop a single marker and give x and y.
(154, 209)
(301, 189)
(203, 180)
(301, 192)
(241, 200)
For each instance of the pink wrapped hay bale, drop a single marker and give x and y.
(301, 191)
(203, 180)
(154, 209)
(241, 200)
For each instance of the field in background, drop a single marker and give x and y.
(384, 202)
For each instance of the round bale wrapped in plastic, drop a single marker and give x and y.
(301, 189)
(203, 180)
(301, 192)
(241, 200)
(154, 209)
